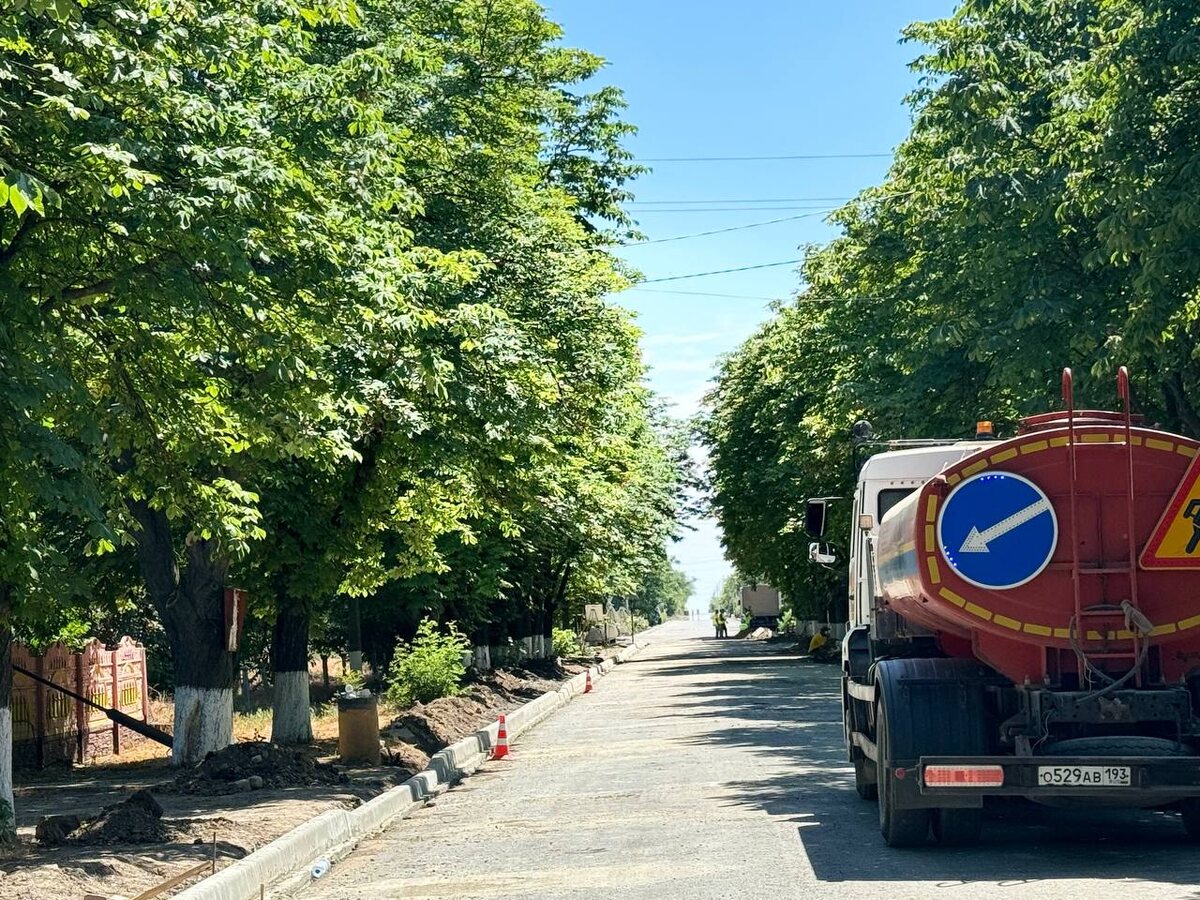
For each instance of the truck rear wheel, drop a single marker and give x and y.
(899, 827)
(928, 707)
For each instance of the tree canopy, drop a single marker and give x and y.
(1040, 214)
(310, 298)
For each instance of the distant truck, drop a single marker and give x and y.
(1024, 621)
(760, 605)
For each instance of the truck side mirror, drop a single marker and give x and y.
(814, 517)
(822, 554)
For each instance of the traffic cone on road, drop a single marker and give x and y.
(587, 685)
(500, 751)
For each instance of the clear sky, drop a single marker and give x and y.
(717, 78)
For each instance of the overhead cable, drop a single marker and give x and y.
(783, 262)
(684, 237)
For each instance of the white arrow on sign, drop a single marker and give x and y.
(977, 541)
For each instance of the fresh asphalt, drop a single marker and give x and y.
(709, 769)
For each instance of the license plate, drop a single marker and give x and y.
(1084, 776)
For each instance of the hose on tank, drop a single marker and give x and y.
(1134, 619)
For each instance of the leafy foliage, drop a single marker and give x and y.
(311, 298)
(428, 668)
(1035, 218)
(567, 643)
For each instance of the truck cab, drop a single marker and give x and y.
(884, 480)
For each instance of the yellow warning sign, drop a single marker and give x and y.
(1175, 543)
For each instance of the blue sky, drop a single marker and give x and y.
(753, 78)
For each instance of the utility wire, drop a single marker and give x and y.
(684, 237)
(792, 299)
(658, 159)
(642, 290)
(724, 209)
(784, 262)
(767, 200)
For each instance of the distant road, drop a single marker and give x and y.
(709, 769)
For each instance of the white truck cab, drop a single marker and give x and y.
(884, 480)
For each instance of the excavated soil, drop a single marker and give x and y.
(137, 820)
(253, 766)
(431, 726)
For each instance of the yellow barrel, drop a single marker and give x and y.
(358, 730)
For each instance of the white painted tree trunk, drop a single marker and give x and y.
(203, 723)
(8, 822)
(482, 658)
(291, 717)
(526, 647)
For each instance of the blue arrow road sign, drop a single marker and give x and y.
(997, 530)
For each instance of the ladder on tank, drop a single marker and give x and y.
(1106, 622)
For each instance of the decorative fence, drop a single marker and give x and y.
(49, 726)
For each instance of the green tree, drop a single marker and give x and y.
(1034, 218)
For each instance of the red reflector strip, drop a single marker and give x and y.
(964, 776)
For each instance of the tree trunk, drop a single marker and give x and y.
(8, 810)
(291, 716)
(191, 607)
(325, 670)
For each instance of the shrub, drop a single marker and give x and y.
(787, 621)
(428, 668)
(566, 643)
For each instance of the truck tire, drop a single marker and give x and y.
(1118, 745)
(944, 714)
(899, 827)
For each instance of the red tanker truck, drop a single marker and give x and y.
(1025, 621)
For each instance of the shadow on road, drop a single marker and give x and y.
(785, 712)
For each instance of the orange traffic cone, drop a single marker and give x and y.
(500, 751)
(587, 685)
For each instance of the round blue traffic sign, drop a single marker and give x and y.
(997, 530)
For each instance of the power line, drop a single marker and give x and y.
(726, 209)
(657, 159)
(684, 237)
(784, 262)
(793, 299)
(701, 294)
(767, 200)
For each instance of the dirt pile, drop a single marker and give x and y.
(431, 726)
(405, 756)
(136, 820)
(54, 830)
(254, 765)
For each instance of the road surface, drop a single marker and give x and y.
(709, 769)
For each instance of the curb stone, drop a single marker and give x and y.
(335, 833)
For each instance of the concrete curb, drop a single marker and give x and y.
(334, 834)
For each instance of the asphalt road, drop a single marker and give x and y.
(709, 769)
